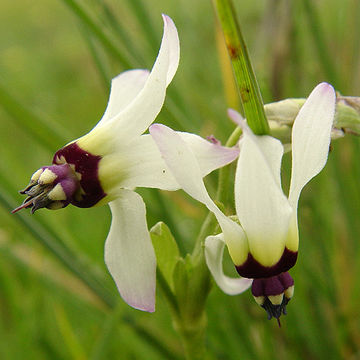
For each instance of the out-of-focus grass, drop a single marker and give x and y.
(59, 69)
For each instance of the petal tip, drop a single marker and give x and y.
(235, 117)
(326, 88)
(155, 128)
(150, 308)
(142, 306)
(167, 19)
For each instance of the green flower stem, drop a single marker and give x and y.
(193, 332)
(194, 340)
(193, 337)
(244, 75)
(209, 223)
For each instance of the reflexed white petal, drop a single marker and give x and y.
(174, 48)
(311, 138)
(184, 167)
(124, 89)
(129, 254)
(145, 167)
(139, 113)
(142, 111)
(262, 208)
(208, 155)
(214, 250)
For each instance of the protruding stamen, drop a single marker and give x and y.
(52, 187)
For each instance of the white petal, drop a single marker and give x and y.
(311, 138)
(262, 208)
(208, 155)
(145, 166)
(236, 117)
(129, 254)
(184, 167)
(124, 89)
(270, 149)
(174, 48)
(139, 163)
(214, 250)
(142, 111)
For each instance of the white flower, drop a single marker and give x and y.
(114, 158)
(266, 243)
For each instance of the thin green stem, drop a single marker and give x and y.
(198, 257)
(244, 75)
(209, 222)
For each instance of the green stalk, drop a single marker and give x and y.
(209, 223)
(194, 341)
(244, 75)
(193, 332)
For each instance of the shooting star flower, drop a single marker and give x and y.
(114, 158)
(265, 246)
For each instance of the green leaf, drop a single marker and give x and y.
(166, 250)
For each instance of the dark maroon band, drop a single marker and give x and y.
(274, 285)
(87, 165)
(252, 269)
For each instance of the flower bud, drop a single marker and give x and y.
(281, 115)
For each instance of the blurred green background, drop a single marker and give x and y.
(56, 62)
